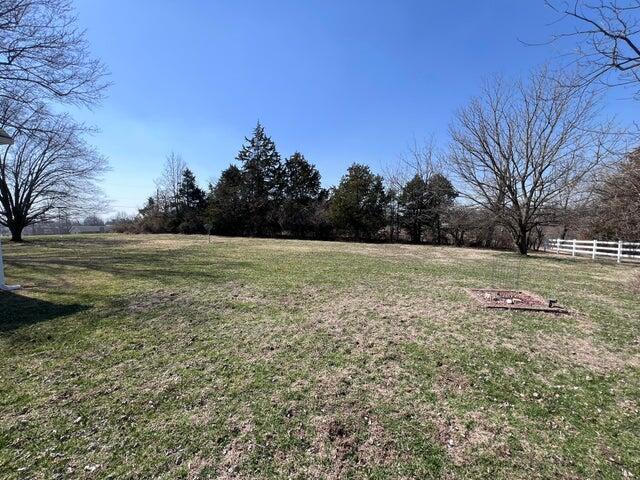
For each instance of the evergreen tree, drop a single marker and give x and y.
(359, 203)
(413, 203)
(263, 182)
(393, 214)
(190, 196)
(191, 203)
(440, 198)
(301, 194)
(152, 218)
(424, 203)
(226, 206)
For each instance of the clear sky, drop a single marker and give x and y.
(340, 81)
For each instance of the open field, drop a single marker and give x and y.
(170, 357)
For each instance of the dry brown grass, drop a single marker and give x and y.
(583, 352)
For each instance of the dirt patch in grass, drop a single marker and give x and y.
(346, 434)
(243, 293)
(196, 466)
(449, 381)
(465, 436)
(346, 441)
(233, 453)
(240, 445)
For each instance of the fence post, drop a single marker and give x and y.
(619, 251)
(573, 248)
(558, 246)
(595, 249)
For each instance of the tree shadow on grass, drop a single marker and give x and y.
(17, 311)
(105, 254)
(161, 267)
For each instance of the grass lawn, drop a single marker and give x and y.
(171, 357)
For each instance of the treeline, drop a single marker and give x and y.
(264, 195)
(526, 160)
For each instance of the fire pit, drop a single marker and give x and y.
(515, 300)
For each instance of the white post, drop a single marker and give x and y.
(573, 248)
(558, 246)
(619, 251)
(5, 139)
(595, 249)
(4, 287)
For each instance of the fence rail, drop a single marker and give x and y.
(621, 251)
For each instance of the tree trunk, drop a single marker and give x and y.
(16, 233)
(16, 226)
(416, 234)
(523, 241)
(564, 232)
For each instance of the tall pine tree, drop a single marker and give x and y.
(226, 205)
(440, 198)
(301, 195)
(423, 204)
(414, 207)
(359, 203)
(191, 203)
(263, 183)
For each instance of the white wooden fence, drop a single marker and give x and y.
(621, 251)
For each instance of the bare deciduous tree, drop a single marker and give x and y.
(419, 159)
(520, 146)
(616, 210)
(168, 184)
(52, 169)
(609, 33)
(44, 56)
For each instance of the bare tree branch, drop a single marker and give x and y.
(519, 148)
(49, 166)
(608, 33)
(44, 56)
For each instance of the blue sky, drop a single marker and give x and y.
(340, 81)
